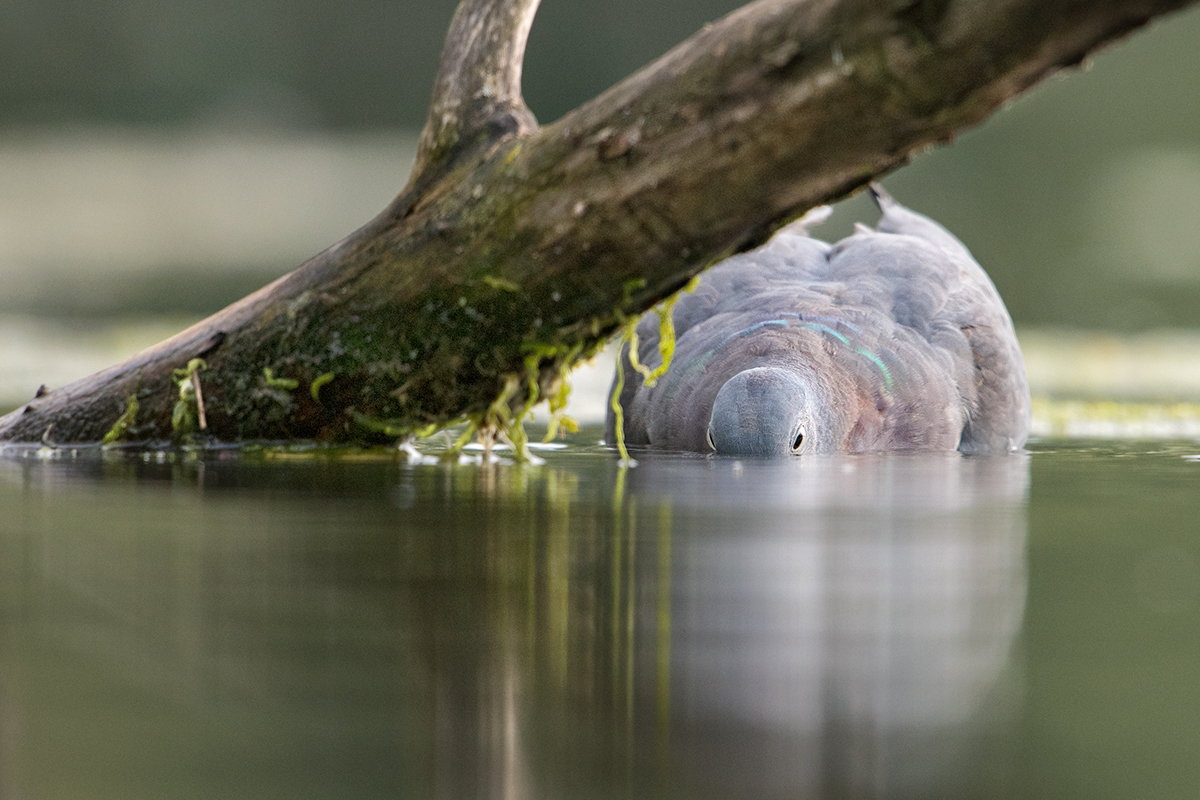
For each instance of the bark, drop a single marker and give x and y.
(515, 250)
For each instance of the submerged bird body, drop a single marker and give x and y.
(891, 339)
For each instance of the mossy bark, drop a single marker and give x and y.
(514, 248)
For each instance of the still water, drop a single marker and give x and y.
(370, 625)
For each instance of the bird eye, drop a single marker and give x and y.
(708, 437)
(799, 441)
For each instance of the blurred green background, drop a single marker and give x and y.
(160, 159)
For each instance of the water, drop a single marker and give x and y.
(294, 625)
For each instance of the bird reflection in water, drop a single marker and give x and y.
(852, 641)
(821, 627)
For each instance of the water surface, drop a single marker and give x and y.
(297, 625)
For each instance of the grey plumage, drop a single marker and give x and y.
(891, 339)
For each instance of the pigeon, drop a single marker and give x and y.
(892, 339)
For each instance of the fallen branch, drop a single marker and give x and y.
(515, 250)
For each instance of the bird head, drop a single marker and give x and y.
(765, 411)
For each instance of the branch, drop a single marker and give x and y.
(477, 93)
(515, 250)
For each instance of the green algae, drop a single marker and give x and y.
(558, 402)
(319, 381)
(499, 420)
(666, 352)
(387, 427)
(614, 402)
(500, 283)
(287, 384)
(185, 415)
(124, 422)
(666, 336)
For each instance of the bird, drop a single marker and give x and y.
(891, 339)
